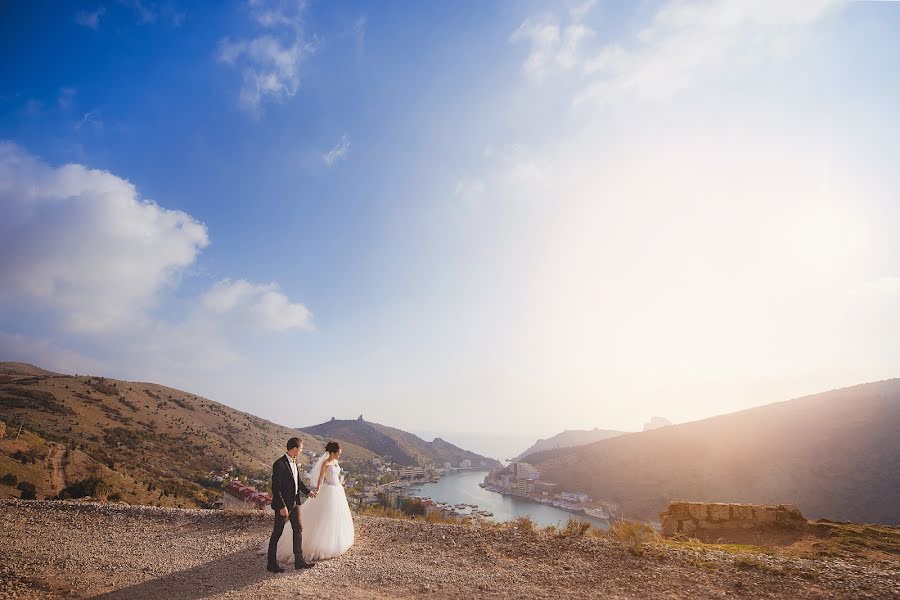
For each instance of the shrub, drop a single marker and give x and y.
(633, 533)
(524, 523)
(9, 479)
(574, 528)
(437, 516)
(27, 490)
(382, 511)
(91, 486)
(413, 507)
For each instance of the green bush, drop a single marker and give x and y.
(413, 507)
(91, 486)
(27, 491)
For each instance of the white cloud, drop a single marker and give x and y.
(145, 14)
(86, 265)
(338, 152)
(689, 41)
(90, 119)
(581, 10)
(90, 19)
(263, 306)
(82, 244)
(46, 353)
(552, 46)
(66, 96)
(270, 61)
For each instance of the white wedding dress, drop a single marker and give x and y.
(326, 521)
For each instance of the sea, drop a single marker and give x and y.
(461, 487)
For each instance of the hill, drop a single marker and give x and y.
(569, 438)
(79, 550)
(397, 445)
(835, 455)
(146, 443)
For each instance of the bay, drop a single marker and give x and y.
(461, 487)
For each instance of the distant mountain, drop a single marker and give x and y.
(656, 423)
(148, 443)
(569, 438)
(835, 455)
(397, 445)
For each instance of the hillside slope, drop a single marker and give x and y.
(835, 455)
(398, 445)
(70, 550)
(570, 438)
(149, 443)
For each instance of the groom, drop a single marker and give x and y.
(286, 488)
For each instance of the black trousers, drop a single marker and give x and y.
(294, 515)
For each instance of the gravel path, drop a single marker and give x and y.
(80, 550)
(56, 458)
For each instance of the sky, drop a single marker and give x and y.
(502, 219)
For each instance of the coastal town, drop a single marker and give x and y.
(387, 485)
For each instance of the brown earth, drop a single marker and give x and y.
(82, 550)
(149, 443)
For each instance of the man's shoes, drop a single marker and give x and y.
(302, 564)
(274, 569)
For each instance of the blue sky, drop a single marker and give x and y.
(485, 217)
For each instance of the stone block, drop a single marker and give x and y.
(764, 515)
(741, 511)
(678, 510)
(698, 511)
(688, 526)
(719, 512)
(668, 525)
(789, 515)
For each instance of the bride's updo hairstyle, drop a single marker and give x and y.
(332, 447)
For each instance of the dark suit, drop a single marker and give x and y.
(286, 495)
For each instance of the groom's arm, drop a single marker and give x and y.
(277, 500)
(303, 487)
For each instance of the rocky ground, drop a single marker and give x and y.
(80, 550)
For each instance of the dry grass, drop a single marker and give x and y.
(575, 528)
(753, 563)
(634, 534)
(524, 523)
(393, 513)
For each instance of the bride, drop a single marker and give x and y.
(325, 520)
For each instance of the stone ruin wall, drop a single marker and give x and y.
(690, 517)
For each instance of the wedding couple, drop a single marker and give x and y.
(324, 528)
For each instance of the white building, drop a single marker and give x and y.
(579, 497)
(411, 472)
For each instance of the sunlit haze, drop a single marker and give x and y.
(507, 218)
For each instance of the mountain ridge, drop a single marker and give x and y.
(568, 438)
(833, 454)
(401, 446)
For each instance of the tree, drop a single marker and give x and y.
(91, 486)
(27, 490)
(413, 507)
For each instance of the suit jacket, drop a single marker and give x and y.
(284, 495)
